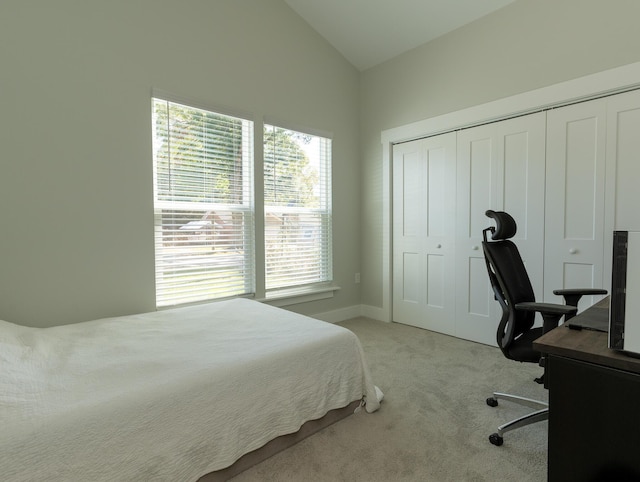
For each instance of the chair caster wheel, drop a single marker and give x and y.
(492, 402)
(496, 439)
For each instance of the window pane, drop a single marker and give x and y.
(297, 184)
(203, 204)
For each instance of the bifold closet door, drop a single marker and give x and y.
(500, 166)
(623, 171)
(575, 199)
(423, 233)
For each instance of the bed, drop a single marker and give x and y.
(171, 395)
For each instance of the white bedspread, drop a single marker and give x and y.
(169, 395)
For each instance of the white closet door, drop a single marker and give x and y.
(623, 171)
(423, 233)
(500, 167)
(575, 180)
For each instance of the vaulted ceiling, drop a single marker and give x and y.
(369, 32)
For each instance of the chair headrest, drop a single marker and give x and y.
(505, 225)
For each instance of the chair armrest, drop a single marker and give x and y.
(551, 312)
(551, 308)
(582, 291)
(572, 296)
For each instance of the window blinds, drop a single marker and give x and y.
(297, 199)
(203, 187)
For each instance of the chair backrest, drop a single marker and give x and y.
(509, 279)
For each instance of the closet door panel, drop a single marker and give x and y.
(423, 236)
(574, 243)
(411, 280)
(476, 188)
(410, 177)
(623, 171)
(500, 167)
(479, 304)
(623, 161)
(439, 155)
(514, 171)
(436, 292)
(522, 174)
(440, 163)
(408, 230)
(478, 177)
(437, 191)
(626, 146)
(581, 161)
(574, 273)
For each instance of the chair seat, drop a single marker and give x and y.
(521, 349)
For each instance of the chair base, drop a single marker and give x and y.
(541, 413)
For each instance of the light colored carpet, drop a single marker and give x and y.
(433, 424)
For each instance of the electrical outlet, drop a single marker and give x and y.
(357, 278)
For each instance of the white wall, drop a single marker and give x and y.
(525, 46)
(75, 136)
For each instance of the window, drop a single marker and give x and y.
(204, 210)
(297, 205)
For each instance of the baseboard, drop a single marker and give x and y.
(374, 312)
(336, 316)
(342, 314)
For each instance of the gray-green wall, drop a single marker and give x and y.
(527, 45)
(76, 240)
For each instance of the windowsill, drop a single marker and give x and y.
(299, 295)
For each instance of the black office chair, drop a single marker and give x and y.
(514, 293)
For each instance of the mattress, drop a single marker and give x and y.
(169, 395)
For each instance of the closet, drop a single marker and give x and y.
(567, 175)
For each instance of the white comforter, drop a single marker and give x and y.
(170, 395)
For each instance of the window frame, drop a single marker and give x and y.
(276, 297)
(324, 210)
(172, 253)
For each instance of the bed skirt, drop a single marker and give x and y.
(279, 444)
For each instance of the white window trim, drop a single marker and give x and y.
(292, 126)
(299, 295)
(204, 105)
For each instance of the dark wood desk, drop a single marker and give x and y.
(594, 405)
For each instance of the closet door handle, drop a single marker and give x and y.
(573, 251)
(476, 248)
